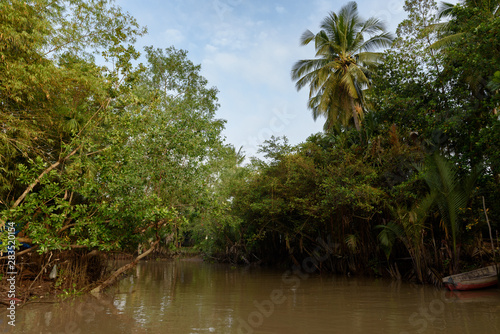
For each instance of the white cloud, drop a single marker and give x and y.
(210, 48)
(280, 9)
(173, 36)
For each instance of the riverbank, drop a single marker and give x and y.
(59, 275)
(77, 273)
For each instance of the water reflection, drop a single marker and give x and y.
(196, 297)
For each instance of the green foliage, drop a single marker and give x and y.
(388, 236)
(101, 157)
(361, 188)
(434, 85)
(327, 186)
(72, 292)
(494, 84)
(405, 90)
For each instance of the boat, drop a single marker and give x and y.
(474, 279)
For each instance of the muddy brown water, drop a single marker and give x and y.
(182, 297)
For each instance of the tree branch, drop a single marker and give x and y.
(20, 253)
(45, 172)
(118, 272)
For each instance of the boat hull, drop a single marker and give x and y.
(472, 280)
(469, 285)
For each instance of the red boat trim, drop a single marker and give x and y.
(460, 286)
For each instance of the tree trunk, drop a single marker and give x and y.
(355, 115)
(118, 272)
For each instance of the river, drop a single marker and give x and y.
(189, 296)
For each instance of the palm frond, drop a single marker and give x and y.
(351, 241)
(425, 205)
(388, 235)
(372, 26)
(349, 11)
(441, 28)
(378, 42)
(305, 66)
(447, 173)
(357, 42)
(357, 73)
(306, 37)
(348, 82)
(446, 41)
(448, 192)
(305, 70)
(445, 10)
(370, 58)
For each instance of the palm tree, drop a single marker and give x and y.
(340, 71)
(450, 193)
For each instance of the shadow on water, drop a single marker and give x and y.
(196, 297)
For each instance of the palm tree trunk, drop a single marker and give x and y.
(355, 115)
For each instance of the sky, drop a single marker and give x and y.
(246, 48)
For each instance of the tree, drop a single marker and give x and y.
(52, 94)
(54, 98)
(470, 24)
(406, 80)
(96, 157)
(341, 69)
(450, 193)
(470, 47)
(448, 30)
(159, 165)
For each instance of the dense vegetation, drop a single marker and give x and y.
(93, 157)
(410, 188)
(404, 180)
